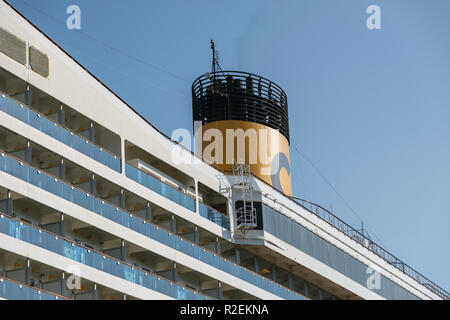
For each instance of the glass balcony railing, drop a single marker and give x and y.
(214, 216)
(175, 195)
(159, 187)
(40, 122)
(12, 290)
(54, 243)
(38, 178)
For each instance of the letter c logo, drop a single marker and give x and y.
(279, 161)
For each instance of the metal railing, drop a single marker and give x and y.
(14, 290)
(175, 195)
(236, 95)
(329, 217)
(246, 218)
(160, 187)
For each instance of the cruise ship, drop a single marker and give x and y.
(98, 204)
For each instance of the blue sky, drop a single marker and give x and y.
(370, 108)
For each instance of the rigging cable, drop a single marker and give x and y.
(303, 154)
(103, 43)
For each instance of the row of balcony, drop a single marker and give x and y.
(52, 128)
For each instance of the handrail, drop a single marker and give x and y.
(242, 74)
(171, 186)
(103, 254)
(148, 221)
(34, 288)
(372, 246)
(59, 124)
(224, 214)
(435, 288)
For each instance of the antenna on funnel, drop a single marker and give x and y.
(215, 59)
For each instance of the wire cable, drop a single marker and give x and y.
(303, 154)
(129, 75)
(103, 43)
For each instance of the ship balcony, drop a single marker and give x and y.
(67, 171)
(46, 114)
(213, 206)
(14, 290)
(22, 278)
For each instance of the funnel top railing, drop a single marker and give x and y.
(236, 95)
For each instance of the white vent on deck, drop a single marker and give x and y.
(13, 47)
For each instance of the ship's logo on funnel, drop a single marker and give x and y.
(279, 161)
